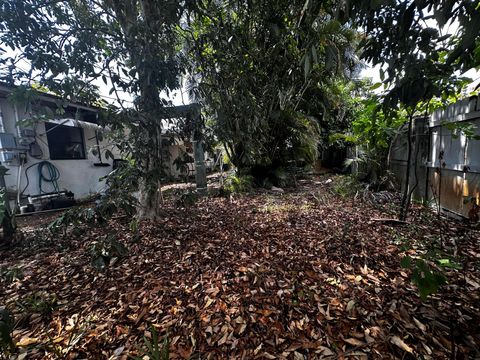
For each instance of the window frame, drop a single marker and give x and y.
(49, 126)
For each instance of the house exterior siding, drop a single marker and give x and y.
(80, 176)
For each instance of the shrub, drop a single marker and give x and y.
(153, 349)
(425, 277)
(104, 252)
(121, 182)
(186, 198)
(238, 184)
(227, 163)
(11, 274)
(346, 186)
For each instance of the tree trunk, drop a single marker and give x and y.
(9, 226)
(198, 151)
(406, 193)
(8, 222)
(144, 59)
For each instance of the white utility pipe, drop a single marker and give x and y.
(19, 178)
(21, 160)
(2, 127)
(19, 132)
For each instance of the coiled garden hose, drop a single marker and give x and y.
(52, 175)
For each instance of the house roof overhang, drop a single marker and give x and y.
(6, 89)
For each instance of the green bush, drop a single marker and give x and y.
(11, 274)
(268, 176)
(7, 217)
(346, 186)
(425, 277)
(186, 198)
(227, 163)
(117, 198)
(238, 184)
(104, 251)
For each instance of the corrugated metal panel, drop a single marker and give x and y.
(453, 161)
(473, 149)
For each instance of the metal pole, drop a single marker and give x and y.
(199, 153)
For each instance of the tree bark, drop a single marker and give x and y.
(406, 193)
(129, 14)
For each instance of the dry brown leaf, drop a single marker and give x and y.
(305, 294)
(354, 342)
(26, 341)
(335, 302)
(401, 344)
(350, 305)
(420, 325)
(223, 340)
(209, 302)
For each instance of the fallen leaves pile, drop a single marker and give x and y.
(303, 274)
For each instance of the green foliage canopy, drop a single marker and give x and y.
(264, 71)
(405, 37)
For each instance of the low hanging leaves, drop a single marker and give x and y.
(427, 280)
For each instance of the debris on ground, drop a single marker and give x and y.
(307, 275)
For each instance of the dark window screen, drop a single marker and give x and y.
(65, 142)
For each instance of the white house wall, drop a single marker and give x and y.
(77, 175)
(8, 114)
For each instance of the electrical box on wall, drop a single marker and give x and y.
(28, 133)
(27, 138)
(13, 157)
(24, 143)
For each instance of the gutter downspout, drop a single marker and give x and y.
(17, 127)
(21, 160)
(19, 179)
(2, 127)
(429, 160)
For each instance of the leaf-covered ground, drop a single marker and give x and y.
(303, 274)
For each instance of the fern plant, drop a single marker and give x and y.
(152, 349)
(237, 184)
(105, 250)
(427, 279)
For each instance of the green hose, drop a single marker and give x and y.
(52, 175)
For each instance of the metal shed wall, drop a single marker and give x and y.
(448, 163)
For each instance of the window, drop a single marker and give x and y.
(65, 142)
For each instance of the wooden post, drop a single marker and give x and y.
(199, 154)
(200, 171)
